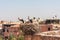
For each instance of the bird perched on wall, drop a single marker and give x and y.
(20, 19)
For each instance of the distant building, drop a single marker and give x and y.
(9, 29)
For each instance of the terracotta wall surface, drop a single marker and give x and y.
(14, 30)
(38, 37)
(11, 30)
(27, 37)
(45, 27)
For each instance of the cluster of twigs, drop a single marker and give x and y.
(28, 29)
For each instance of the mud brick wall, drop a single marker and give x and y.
(50, 38)
(44, 28)
(38, 37)
(27, 37)
(32, 37)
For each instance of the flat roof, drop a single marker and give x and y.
(50, 33)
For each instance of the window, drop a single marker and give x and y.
(3, 30)
(7, 30)
(49, 29)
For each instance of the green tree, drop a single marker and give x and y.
(21, 37)
(12, 37)
(1, 37)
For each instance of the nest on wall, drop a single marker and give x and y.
(28, 29)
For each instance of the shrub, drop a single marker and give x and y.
(21, 37)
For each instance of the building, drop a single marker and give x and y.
(10, 29)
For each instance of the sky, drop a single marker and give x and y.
(12, 9)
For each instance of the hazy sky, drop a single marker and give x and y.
(12, 9)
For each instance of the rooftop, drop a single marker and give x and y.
(50, 33)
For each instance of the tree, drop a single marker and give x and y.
(21, 37)
(1, 37)
(12, 37)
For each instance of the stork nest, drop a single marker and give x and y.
(28, 29)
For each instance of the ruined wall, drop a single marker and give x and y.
(38, 37)
(32, 37)
(44, 28)
(27, 37)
